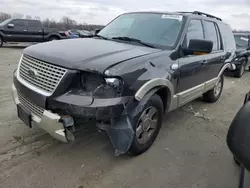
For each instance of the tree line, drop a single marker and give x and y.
(65, 23)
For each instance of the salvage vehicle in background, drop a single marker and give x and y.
(81, 33)
(124, 78)
(71, 35)
(24, 30)
(242, 54)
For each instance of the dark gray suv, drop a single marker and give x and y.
(140, 66)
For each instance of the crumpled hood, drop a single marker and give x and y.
(88, 54)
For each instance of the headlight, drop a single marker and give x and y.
(99, 86)
(111, 88)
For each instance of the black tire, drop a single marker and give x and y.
(211, 96)
(240, 71)
(156, 103)
(53, 38)
(1, 41)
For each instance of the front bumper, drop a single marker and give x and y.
(48, 122)
(55, 108)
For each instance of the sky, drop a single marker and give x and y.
(234, 12)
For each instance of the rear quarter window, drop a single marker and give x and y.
(227, 36)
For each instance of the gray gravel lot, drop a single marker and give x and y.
(190, 151)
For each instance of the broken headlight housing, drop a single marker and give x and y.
(99, 86)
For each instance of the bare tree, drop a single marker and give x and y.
(65, 23)
(28, 17)
(4, 16)
(37, 18)
(17, 15)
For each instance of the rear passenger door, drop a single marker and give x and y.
(215, 59)
(192, 67)
(35, 31)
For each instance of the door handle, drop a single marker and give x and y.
(223, 58)
(25, 30)
(204, 62)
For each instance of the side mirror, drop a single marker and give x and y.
(238, 137)
(198, 47)
(10, 25)
(97, 31)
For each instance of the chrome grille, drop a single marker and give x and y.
(30, 106)
(42, 75)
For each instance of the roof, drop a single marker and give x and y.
(195, 13)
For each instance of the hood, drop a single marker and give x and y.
(95, 55)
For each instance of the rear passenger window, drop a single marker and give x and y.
(34, 25)
(211, 34)
(195, 31)
(227, 36)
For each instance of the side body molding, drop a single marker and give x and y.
(179, 99)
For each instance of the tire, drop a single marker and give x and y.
(1, 41)
(142, 143)
(214, 94)
(53, 38)
(239, 72)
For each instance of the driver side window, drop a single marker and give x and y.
(195, 31)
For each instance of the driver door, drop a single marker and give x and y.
(192, 67)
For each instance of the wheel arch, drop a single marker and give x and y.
(161, 87)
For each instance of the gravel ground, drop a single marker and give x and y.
(190, 150)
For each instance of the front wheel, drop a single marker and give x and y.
(147, 125)
(53, 38)
(214, 94)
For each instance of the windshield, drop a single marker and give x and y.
(4, 22)
(151, 28)
(241, 41)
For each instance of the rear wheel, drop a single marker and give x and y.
(214, 94)
(147, 125)
(53, 38)
(239, 72)
(1, 41)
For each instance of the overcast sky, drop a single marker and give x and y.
(235, 12)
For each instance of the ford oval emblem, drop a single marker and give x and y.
(32, 73)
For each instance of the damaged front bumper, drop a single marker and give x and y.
(119, 129)
(49, 121)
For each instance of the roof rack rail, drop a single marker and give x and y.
(202, 13)
(205, 14)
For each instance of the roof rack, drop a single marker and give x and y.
(202, 14)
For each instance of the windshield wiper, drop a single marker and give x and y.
(99, 36)
(128, 39)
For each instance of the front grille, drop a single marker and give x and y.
(30, 106)
(42, 75)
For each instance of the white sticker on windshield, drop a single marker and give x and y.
(244, 38)
(171, 16)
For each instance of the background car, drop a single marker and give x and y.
(81, 33)
(71, 35)
(26, 30)
(242, 53)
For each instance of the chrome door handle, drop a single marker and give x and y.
(25, 30)
(204, 62)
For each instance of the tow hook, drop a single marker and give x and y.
(68, 123)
